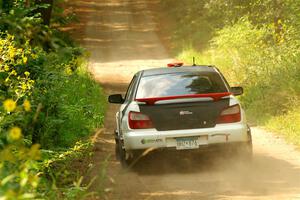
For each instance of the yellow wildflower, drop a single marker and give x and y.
(12, 52)
(6, 67)
(24, 86)
(9, 105)
(13, 72)
(27, 105)
(25, 59)
(26, 73)
(15, 133)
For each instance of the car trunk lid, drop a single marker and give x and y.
(184, 112)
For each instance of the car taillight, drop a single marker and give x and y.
(230, 115)
(139, 121)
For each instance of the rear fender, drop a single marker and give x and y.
(233, 101)
(133, 106)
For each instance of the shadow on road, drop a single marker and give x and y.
(127, 26)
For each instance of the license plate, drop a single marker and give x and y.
(187, 143)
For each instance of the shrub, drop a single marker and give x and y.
(266, 67)
(19, 176)
(78, 108)
(46, 98)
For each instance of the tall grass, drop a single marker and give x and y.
(73, 104)
(268, 69)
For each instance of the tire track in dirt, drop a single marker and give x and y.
(121, 36)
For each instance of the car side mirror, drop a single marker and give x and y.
(237, 90)
(115, 98)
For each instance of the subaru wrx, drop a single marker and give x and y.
(180, 108)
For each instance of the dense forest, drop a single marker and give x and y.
(255, 43)
(49, 104)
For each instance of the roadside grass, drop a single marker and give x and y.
(287, 125)
(49, 107)
(40, 140)
(63, 172)
(84, 107)
(78, 104)
(79, 111)
(251, 50)
(267, 105)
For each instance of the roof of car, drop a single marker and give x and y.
(169, 70)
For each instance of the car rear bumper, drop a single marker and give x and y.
(220, 134)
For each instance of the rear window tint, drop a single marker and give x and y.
(180, 84)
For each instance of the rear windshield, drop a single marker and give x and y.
(180, 84)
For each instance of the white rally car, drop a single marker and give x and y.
(180, 107)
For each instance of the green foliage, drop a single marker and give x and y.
(16, 84)
(19, 172)
(47, 100)
(197, 21)
(62, 14)
(251, 57)
(256, 45)
(66, 181)
(15, 77)
(23, 22)
(18, 161)
(72, 114)
(54, 101)
(287, 125)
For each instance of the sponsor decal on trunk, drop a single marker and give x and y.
(147, 141)
(185, 112)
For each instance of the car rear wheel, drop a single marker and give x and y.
(122, 155)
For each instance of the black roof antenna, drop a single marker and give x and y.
(194, 63)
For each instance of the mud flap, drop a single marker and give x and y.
(117, 141)
(121, 154)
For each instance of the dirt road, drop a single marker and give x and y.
(121, 36)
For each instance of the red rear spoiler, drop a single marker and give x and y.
(215, 96)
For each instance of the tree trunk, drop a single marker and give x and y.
(27, 3)
(45, 12)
